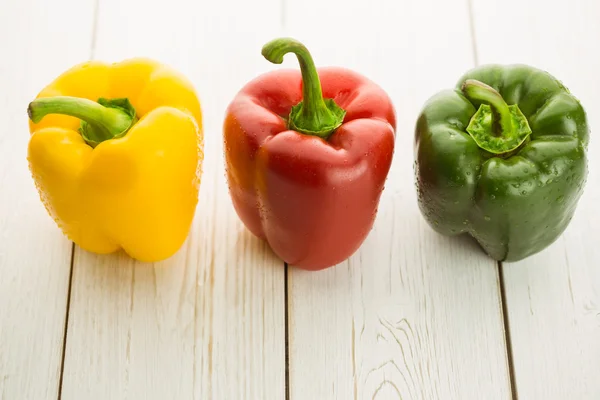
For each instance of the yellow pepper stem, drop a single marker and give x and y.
(102, 120)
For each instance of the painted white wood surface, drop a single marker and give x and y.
(553, 298)
(36, 43)
(412, 315)
(209, 322)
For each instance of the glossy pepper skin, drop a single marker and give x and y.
(313, 199)
(515, 203)
(135, 188)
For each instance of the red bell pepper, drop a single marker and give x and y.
(306, 165)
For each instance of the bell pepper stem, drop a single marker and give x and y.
(479, 91)
(314, 115)
(105, 121)
(496, 127)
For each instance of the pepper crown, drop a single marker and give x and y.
(100, 121)
(314, 115)
(496, 127)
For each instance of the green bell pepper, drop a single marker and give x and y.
(502, 157)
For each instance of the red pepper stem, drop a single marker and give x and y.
(479, 91)
(314, 115)
(102, 120)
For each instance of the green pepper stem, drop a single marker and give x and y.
(106, 122)
(496, 127)
(314, 115)
(479, 91)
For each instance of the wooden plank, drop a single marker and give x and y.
(412, 314)
(553, 298)
(209, 322)
(35, 257)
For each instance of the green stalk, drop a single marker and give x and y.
(496, 127)
(314, 115)
(479, 91)
(102, 120)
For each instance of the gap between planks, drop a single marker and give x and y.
(287, 331)
(96, 10)
(286, 317)
(472, 29)
(507, 337)
(501, 284)
(66, 329)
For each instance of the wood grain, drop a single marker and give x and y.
(209, 322)
(36, 43)
(553, 298)
(412, 315)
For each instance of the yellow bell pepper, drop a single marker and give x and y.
(116, 154)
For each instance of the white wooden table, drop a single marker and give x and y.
(412, 315)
